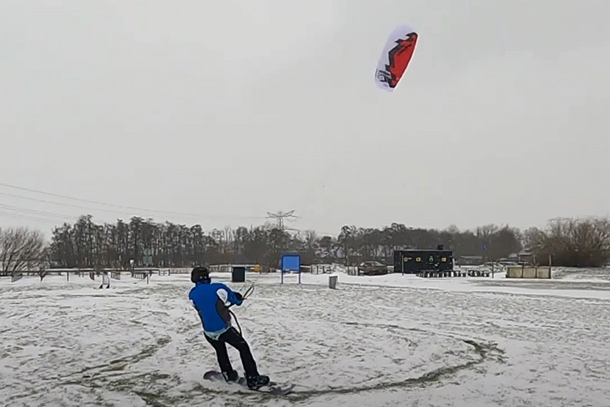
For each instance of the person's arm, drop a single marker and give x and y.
(192, 301)
(228, 296)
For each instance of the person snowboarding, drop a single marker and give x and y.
(212, 301)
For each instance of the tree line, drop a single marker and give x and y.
(571, 242)
(144, 242)
(87, 244)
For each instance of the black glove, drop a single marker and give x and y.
(239, 296)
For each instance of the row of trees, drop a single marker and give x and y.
(86, 244)
(571, 242)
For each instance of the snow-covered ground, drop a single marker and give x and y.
(375, 341)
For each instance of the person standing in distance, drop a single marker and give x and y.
(212, 301)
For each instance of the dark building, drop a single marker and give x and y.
(470, 260)
(414, 261)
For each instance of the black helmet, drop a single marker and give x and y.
(200, 274)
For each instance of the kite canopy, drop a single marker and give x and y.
(395, 58)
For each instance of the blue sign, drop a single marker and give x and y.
(291, 262)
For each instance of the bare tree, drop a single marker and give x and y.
(573, 242)
(21, 249)
(533, 237)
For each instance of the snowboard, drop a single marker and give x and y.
(272, 387)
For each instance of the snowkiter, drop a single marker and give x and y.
(212, 301)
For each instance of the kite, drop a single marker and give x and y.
(395, 58)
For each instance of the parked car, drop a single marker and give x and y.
(372, 268)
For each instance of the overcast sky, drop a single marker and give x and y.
(230, 109)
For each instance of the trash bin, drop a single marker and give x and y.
(332, 282)
(238, 275)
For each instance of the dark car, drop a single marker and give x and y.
(372, 268)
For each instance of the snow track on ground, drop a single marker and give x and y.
(387, 340)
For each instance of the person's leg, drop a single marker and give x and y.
(223, 358)
(233, 338)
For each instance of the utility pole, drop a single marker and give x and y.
(281, 216)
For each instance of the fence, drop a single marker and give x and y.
(321, 269)
(329, 269)
(228, 268)
(141, 275)
(19, 274)
(115, 274)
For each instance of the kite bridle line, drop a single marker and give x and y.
(248, 292)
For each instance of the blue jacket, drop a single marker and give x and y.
(211, 300)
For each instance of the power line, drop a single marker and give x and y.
(61, 203)
(37, 212)
(28, 217)
(132, 208)
(87, 208)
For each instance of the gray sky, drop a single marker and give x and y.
(231, 109)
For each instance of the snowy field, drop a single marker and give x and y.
(375, 341)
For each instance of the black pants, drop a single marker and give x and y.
(233, 338)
